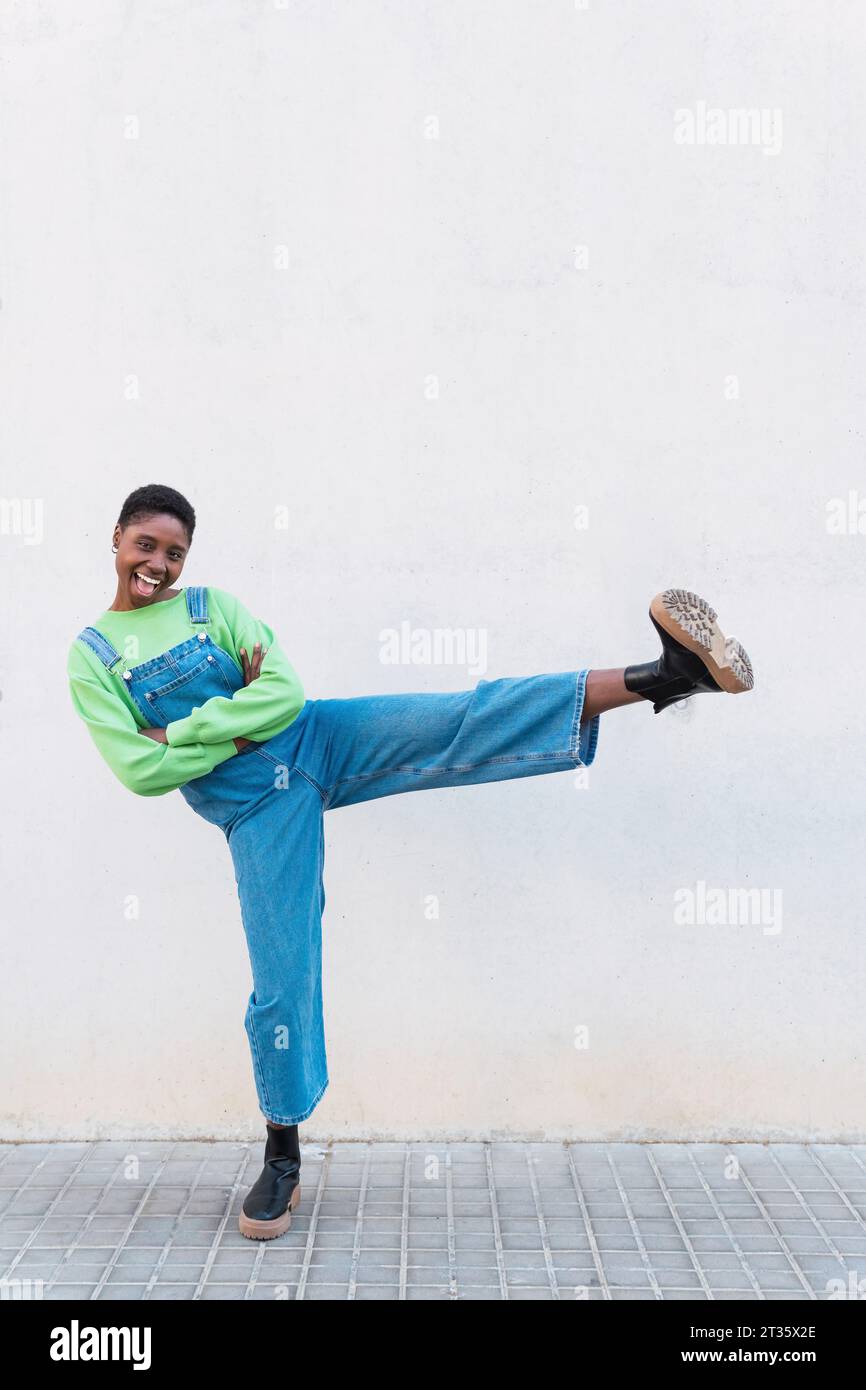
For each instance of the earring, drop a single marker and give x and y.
(114, 550)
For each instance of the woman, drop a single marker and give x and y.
(181, 688)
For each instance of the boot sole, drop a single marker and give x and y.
(266, 1230)
(692, 622)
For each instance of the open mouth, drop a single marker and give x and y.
(144, 586)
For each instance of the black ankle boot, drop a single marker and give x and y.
(696, 656)
(268, 1206)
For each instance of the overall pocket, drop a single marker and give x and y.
(177, 698)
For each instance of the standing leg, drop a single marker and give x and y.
(277, 848)
(267, 1208)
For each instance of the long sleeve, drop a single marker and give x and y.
(141, 764)
(256, 711)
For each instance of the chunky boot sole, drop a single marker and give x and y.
(692, 622)
(266, 1230)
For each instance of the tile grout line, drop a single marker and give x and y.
(684, 1235)
(314, 1223)
(89, 1219)
(34, 1233)
(221, 1225)
(728, 1229)
(838, 1190)
(163, 1254)
(623, 1195)
(542, 1225)
(776, 1232)
(359, 1222)
(494, 1212)
(103, 1279)
(828, 1241)
(587, 1221)
(452, 1237)
(259, 1256)
(18, 1190)
(404, 1223)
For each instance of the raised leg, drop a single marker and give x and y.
(606, 689)
(380, 745)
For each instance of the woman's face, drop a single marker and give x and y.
(152, 548)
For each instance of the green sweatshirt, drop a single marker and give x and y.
(202, 740)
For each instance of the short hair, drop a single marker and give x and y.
(154, 498)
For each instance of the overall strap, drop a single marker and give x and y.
(196, 603)
(99, 644)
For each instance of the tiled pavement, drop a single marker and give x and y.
(158, 1220)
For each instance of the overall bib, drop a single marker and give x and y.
(269, 801)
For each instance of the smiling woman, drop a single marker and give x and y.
(151, 550)
(163, 682)
(256, 693)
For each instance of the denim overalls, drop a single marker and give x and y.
(269, 801)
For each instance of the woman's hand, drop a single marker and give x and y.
(252, 668)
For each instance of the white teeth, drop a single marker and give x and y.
(144, 578)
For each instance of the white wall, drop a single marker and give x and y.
(310, 126)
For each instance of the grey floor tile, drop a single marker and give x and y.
(525, 1221)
